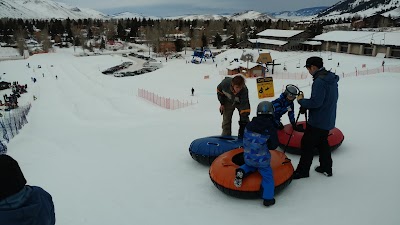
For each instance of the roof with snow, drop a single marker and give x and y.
(312, 42)
(242, 64)
(279, 33)
(362, 37)
(268, 41)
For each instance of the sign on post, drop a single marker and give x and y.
(265, 87)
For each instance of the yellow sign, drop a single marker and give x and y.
(265, 87)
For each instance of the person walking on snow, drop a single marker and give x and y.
(233, 94)
(192, 91)
(260, 135)
(322, 107)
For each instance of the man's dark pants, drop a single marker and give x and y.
(315, 138)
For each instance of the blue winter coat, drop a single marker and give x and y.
(259, 137)
(283, 105)
(31, 206)
(323, 102)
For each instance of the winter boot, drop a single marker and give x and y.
(298, 175)
(269, 202)
(239, 178)
(320, 170)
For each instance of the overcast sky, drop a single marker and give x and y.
(182, 7)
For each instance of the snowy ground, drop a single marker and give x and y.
(110, 157)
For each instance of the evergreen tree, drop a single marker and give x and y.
(204, 42)
(102, 44)
(179, 44)
(218, 41)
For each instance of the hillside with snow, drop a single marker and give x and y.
(299, 14)
(44, 9)
(246, 15)
(125, 15)
(350, 8)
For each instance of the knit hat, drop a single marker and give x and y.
(314, 61)
(11, 178)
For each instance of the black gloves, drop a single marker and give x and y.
(302, 110)
(298, 128)
(242, 126)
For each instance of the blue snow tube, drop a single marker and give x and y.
(205, 150)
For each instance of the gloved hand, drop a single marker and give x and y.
(221, 109)
(300, 96)
(298, 127)
(242, 126)
(302, 110)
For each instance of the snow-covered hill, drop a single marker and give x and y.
(301, 13)
(44, 9)
(124, 15)
(246, 15)
(349, 8)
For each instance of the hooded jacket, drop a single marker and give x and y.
(240, 100)
(30, 206)
(322, 104)
(281, 106)
(259, 137)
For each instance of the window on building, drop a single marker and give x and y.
(367, 51)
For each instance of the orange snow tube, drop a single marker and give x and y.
(222, 174)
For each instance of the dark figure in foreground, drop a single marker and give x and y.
(21, 203)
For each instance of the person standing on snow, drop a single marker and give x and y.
(21, 203)
(233, 94)
(322, 107)
(260, 136)
(284, 104)
(192, 91)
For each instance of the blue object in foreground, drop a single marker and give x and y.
(205, 150)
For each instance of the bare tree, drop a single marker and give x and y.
(45, 39)
(19, 36)
(76, 33)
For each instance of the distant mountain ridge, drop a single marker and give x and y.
(249, 15)
(48, 9)
(306, 12)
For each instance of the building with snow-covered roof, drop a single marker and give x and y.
(361, 42)
(280, 40)
(252, 63)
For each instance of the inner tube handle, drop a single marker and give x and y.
(287, 160)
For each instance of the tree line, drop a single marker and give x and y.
(77, 32)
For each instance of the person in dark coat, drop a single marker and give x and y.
(260, 136)
(284, 104)
(322, 107)
(192, 91)
(21, 204)
(233, 94)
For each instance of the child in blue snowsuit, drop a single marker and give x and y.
(260, 136)
(285, 104)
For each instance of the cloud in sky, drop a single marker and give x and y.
(181, 7)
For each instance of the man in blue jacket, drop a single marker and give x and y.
(322, 117)
(21, 204)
